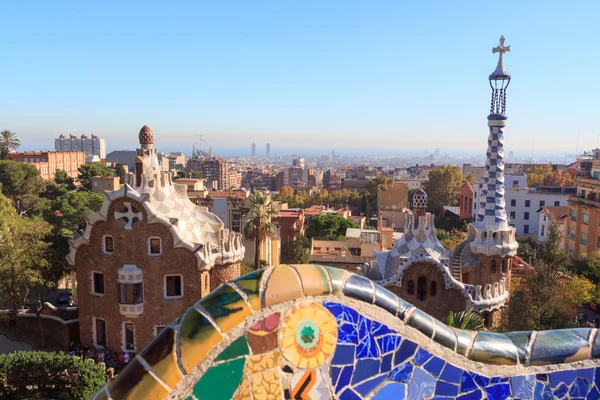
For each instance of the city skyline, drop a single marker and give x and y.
(313, 79)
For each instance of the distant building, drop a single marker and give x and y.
(290, 223)
(583, 235)
(101, 184)
(468, 169)
(297, 176)
(466, 201)
(234, 180)
(123, 157)
(253, 149)
(391, 204)
(48, 162)
(268, 150)
(91, 146)
(215, 172)
(548, 215)
(176, 161)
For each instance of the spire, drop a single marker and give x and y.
(210, 151)
(419, 205)
(146, 137)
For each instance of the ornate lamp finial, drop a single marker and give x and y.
(499, 80)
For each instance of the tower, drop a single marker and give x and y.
(491, 239)
(268, 150)
(253, 150)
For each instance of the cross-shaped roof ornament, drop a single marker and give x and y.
(500, 73)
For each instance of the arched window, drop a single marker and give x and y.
(433, 288)
(411, 287)
(493, 266)
(422, 288)
(505, 265)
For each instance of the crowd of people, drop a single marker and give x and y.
(112, 362)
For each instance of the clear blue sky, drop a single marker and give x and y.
(386, 77)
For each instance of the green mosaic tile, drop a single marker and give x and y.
(197, 336)
(338, 277)
(221, 381)
(238, 348)
(227, 307)
(250, 284)
(493, 348)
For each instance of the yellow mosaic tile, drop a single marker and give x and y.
(197, 337)
(243, 392)
(315, 281)
(136, 383)
(162, 358)
(267, 385)
(283, 285)
(227, 307)
(250, 283)
(263, 362)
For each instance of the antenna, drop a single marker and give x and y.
(202, 142)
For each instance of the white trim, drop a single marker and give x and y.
(159, 245)
(104, 251)
(155, 328)
(93, 285)
(94, 337)
(165, 287)
(124, 338)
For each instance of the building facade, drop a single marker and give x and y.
(101, 184)
(549, 215)
(466, 201)
(146, 256)
(48, 162)
(91, 146)
(583, 222)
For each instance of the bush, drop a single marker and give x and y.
(44, 375)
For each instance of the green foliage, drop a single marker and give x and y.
(21, 182)
(258, 226)
(536, 177)
(44, 375)
(69, 211)
(328, 227)
(579, 291)
(380, 182)
(443, 187)
(89, 170)
(450, 239)
(297, 251)
(468, 320)
(62, 178)
(588, 267)
(8, 142)
(120, 172)
(336, 198)
(193, 173)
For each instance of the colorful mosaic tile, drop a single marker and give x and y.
(323, 347)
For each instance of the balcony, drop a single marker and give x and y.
(131, 310)
(576, 200)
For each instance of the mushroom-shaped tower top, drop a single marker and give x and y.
(146, 136)
(420, 200)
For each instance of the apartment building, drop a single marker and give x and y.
(91, 146)
(48, 162)
(583, 236)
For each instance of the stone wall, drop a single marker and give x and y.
(53, 328)
(314, 332)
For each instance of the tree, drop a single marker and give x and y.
(443, 187)
(328, 227)
(258, 225)
(297, 251)
(470, 178)
(21, 182)
(89, 170)
(45, 375)
(468, 320)
(62, 178)
(120, 172)
(579, 291)
(381, 181)
(68, 212)
(8, 142)
(536, 177)
(588, 267)
(551, 250)
(557, 178)
(450, 239)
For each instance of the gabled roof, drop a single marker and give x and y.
(555, 213)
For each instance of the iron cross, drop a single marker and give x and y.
(501, 49)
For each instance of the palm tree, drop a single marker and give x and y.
(8, 142)
(469, 320)
(258, 222)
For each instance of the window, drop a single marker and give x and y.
(583, 238)
(543, 229)
(572, 234)
(493, 267)
(109, 244)
(525, 228)
(129, 337)
(542, 203)
(515, 184)
(504, 265)
(100, 330)
(513, 203)
(526, 216)
(557, 203)
(573, 215)
(433, 288)
(155, 246)
(527, 203)
(173, 287)
(584, 218)
(98, 279)
(131, 293)
(158, 329)
(422, 288)
(512, 215)
(598, 242)
(411, 287)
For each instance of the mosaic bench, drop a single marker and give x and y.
(312, 332)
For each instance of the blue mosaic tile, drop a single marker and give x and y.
(446, 389)
(388, 343)
(471, 396)
(451, 374)
(498, 379)
(344, 354)
(402, 372)
(594, 394)
(580, 388)
(481, 380)
(542, 392)
(335, 373)
(365, 369)
(421, 386)
(467, 383)
(522, 386)
(406, 350)
(368, 386)
(422, 356)
(336, 309)
(348, 333)
(391, 391)
(561, 390)
(435, 366)
(344, 378)
(587, 373)
(367, 348)
(566, 377)
(498, 392)
(542, 377)
(554, 347)
(386, 363)
(379, 329)
(349, 394)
